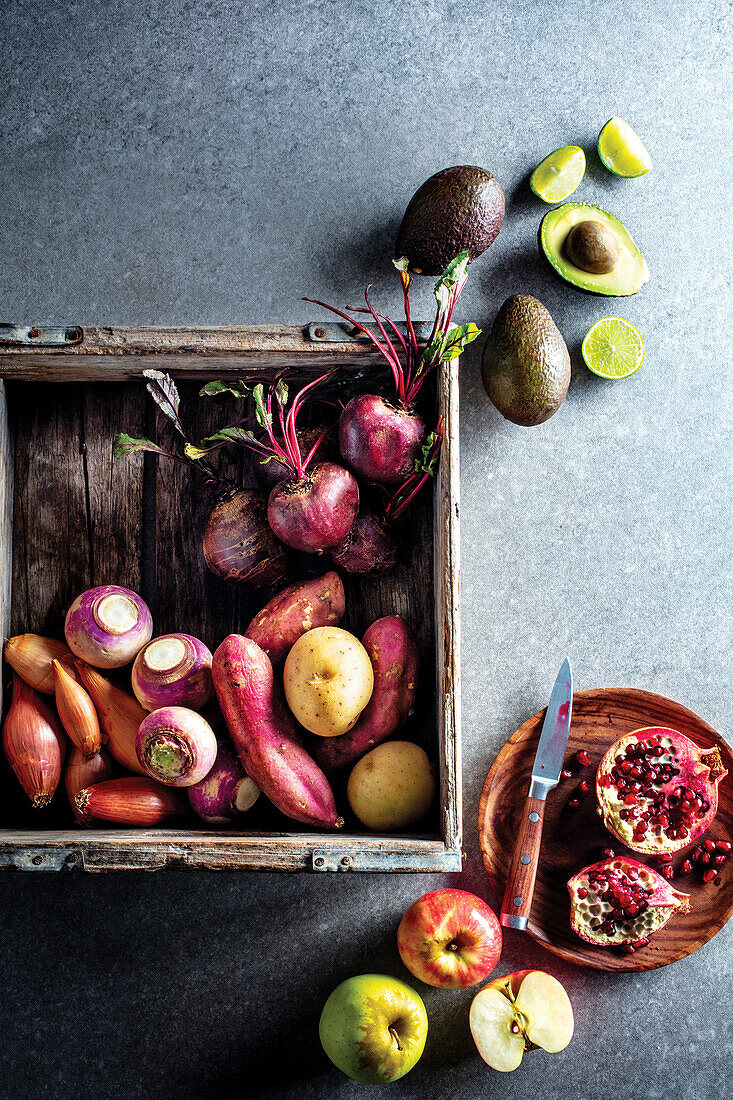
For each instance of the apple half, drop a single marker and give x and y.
(522, 1011)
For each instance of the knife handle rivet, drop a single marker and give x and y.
(525, 860)
(534, 817)
(517, 902)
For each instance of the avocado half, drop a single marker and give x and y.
(627, 277)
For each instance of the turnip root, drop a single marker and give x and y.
(299, 607)
(264, 734)
(392, 650)
(369, 548)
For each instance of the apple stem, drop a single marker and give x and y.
(396, 1037)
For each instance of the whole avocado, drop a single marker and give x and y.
(526, 365)
(459, 209)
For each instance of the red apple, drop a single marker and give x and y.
(450, 939)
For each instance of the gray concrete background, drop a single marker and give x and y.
(212, 162)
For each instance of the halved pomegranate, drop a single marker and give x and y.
(657, 790)
(620, 902)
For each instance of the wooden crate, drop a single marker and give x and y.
(70, 518)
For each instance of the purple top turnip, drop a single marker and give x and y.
(173, 670)
(176, 746)
(226, 792)
(107, 626)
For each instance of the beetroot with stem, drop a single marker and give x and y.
(381, 439)
(316, 506)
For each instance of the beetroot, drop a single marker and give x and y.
(315, 511)
(239, 544)
(368, 548)
(272, 471)
(381, 441)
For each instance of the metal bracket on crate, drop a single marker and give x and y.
(41, 336)
(41, 859)
(339, 332)
(353, 859)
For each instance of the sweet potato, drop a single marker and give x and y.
(264, 735)
(392, 650)
(299, 607)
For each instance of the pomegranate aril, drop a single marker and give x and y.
(643, 942)
(626, 766)
(584, 786)
(609, 853)
(719, 860)
(628, 948)
(566, 773)
(667, 871)
(582, 757)
(704, 857)
(632, 910)
(708, 845)
(665, 857)
(573, 803)
(582, 892)
(709, 875)
(686, 867)
(723, 845)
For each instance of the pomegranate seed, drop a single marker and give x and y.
(573, 803)
(667, 872)
(628, 948)
(643, 942)
(719, 860)
(582, 757)
(708, 845)
(709, 875)
(584, 786)
(625, 766)
(704, 857)
(582, 892)
(723, 845)
(632, 910)
(665, 857)
(686, 867)
(697, 852)
(566, 773)
(609, 853)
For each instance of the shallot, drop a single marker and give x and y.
(119, 714)
(133, 800)
(76, 711)
(32, 657)
(84, 771)
(34, 744)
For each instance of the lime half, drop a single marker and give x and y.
(613, 348)
(559, 174)
(622, 150)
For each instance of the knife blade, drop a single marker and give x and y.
(548, 761)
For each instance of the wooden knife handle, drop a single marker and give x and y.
(517, 903)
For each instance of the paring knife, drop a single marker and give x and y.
(548, 761)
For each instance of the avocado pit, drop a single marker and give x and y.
(593, 247)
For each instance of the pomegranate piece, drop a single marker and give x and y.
(657, 790)
(583, 758)
(621, 901)
(710, 875)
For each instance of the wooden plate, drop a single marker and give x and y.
(574, 838)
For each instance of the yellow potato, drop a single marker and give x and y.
(393, 786)
(328, 680)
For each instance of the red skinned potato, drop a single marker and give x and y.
(392, 650)
(263, 732)
(298, 608)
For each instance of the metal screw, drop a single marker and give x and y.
(355, 331)
(71, 858)
(517, 902)
(525, 860)
(37, 860)
(72, 335)
(346, 861)
(33, 334)
(318, 861)
(319, 333)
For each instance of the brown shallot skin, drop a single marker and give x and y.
(298, 608)
(263, 732)
(119, 713)
(393, 652)
(34, 744)
(85, 771)
(76, 711)
(133, 800)
(31, 656)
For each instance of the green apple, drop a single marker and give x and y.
(374, 1028)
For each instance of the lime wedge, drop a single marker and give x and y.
(559, 174)
(613, 348)
(622, 150)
